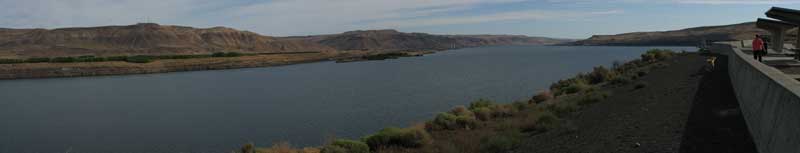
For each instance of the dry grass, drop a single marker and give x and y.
(542, 97)
(284, 147)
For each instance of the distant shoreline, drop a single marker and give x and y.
(110, 68)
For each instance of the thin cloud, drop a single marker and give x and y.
(720, 2)
(319, 16)
(504, 16)
(59, 13)
(277, 17)
(770, 2)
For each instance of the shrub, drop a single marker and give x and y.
(182, 56)
(641, 73)
(542, 96)
(248, 148)
(593, 98)
(447, 121)
(620, 80)
(397, 137)
(280, 147)
(462, 111)
(224, 54)
(11, 61)
(502, 142)
(333, 149)
(657, 54)
(576, 87)
(139, 59)
(38, 60)
(218, 54)
(503, 111)
(89, 59)
(480, 103)
(664, 54)
(616, 64)
(346, 146)
(562, 108)
(561, 86)
(519, 105)
(640, 85)
(483, 113)
(546, 121)
(117, 58)
(233, 54)
(601, 74)
(63, 60)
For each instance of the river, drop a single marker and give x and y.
(304, 104)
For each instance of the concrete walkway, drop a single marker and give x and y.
(781, 61)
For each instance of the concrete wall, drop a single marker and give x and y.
(768, 98)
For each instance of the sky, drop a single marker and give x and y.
(549, 18)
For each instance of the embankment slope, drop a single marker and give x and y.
(680, 110)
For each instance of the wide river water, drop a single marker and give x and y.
(304, 104)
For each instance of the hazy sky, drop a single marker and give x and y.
(551, 18)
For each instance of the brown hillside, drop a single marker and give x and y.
(146, 38)
(395, 40)
(684, 37)
(154, 39)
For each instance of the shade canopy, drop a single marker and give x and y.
(773, 24)
(784, 14)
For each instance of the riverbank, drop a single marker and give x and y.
(384, 56)
(81, 69)
(131, 65)
(640, 106)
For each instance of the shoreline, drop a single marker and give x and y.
(654, 94)
(116, 68)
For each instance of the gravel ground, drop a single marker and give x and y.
(680, 103)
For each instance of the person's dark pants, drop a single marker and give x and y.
(758, 54)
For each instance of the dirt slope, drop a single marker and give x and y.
(651, 119)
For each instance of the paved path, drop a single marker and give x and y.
(715, 123)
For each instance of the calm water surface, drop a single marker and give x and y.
(216, 111)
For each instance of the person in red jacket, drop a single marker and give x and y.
(758, 48)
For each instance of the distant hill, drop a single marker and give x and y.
(144, 38)
(154, 39)
(683, 37)
(395, 40)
